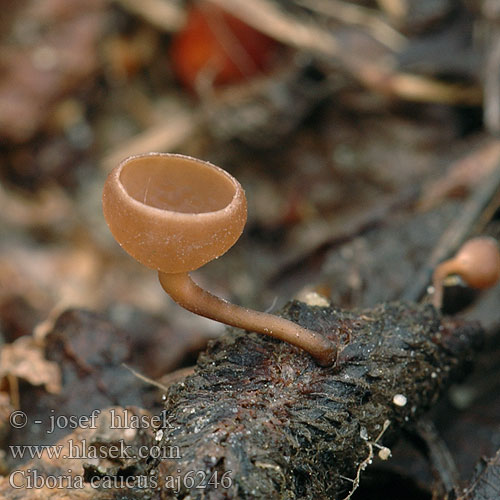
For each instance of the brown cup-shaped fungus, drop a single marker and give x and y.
(174, 214)
(477, 262)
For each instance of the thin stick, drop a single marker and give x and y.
(166, 16)
(145, 379)
(379, 75)
(165, 136)
(440, 456)
(464, 226)
(276, 23)
(350, 13)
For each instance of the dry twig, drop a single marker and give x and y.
(165, 15)
(351, 13)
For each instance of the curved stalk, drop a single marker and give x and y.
(189, 295)
(442, 271)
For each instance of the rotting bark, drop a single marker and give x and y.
(486, 482)
(283, 427)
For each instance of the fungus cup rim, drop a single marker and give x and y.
(165, 212)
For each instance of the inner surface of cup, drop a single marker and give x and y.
(177, 183)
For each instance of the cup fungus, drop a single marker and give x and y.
(477, 262)
(173, 213)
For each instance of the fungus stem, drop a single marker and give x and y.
(477, 262)
(189, 295)
(442, 271)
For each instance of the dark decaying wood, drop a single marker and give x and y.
(282, 427)
(486, 483)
